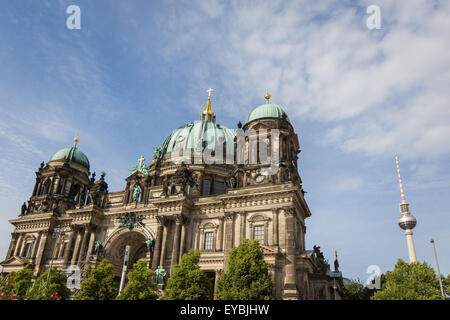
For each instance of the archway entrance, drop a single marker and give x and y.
(115, 252)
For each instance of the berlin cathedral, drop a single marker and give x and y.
(169, 207)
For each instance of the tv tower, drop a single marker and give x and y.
(406, 221)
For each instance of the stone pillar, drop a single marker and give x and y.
(183, 240)
(219, 242)
(12, 245)
(40, 253)
(91, 243)
(229, 233)
(157, 252)
(163, 245)
(76, 249)
(290, 290)
(176, 242)
(72, 235)
(18, 247)
(242, 235)
(216, 278)
(197, 235)
(36, 246)
(22, 250)
(275, 228)
(56, 184)
(83, 243)
(67, 186)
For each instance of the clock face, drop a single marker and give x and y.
(259, 178)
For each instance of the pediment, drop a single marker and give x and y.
(15, 261)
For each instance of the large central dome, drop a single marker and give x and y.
(198, 136)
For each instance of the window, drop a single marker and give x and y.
(219, 187)
(206, 187)
(209, 236)
(258, 233)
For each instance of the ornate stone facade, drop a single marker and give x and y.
(168, 208)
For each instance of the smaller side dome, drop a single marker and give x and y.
(267, 110)
(71, 154)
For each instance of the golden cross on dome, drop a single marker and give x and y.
(209, 92)
(140, 160)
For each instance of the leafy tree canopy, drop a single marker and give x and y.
(16, 284)
(140, 284)
(247, 276)
(187, 281)
(410, 281)
(56, 289)
(99, 283)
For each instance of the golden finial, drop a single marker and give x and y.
(267, 97)
(76, 140)
(207, 114)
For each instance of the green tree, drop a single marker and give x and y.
(409, 281)
(187, 281)
(99, 283)
(247, 276)
(17, 283)
(354, 289)
(56, 289)
(140, 284)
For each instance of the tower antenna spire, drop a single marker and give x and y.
(406, 221)
(400, 179)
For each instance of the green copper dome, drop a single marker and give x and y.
(197, 136)
(267, 110)
(72, 154)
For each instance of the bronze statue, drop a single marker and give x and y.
(149, 244)
(336, 263)
(24, 209)
(160, 277)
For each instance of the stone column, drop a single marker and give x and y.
(40, 253)
(242, 235)
(197, 231)
(157, 252)
(275, 228)
(56, 184)
(176, 242)
(183, 240)
(22, 250)
(290, 290)
(219, 243)
(91, 243)
(229, 232)
(67, 186)
(216, 278)
(36, 246)
(18, 247)
(12, 245)
(83, 243)
(163, 245)
(72, 235)
(76, 249)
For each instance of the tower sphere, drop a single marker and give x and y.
(407, 222)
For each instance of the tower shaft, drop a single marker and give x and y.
(406, 221)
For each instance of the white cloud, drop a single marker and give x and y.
(390, 86)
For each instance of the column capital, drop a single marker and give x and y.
(228, 216)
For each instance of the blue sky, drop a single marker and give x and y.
(138, 69)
